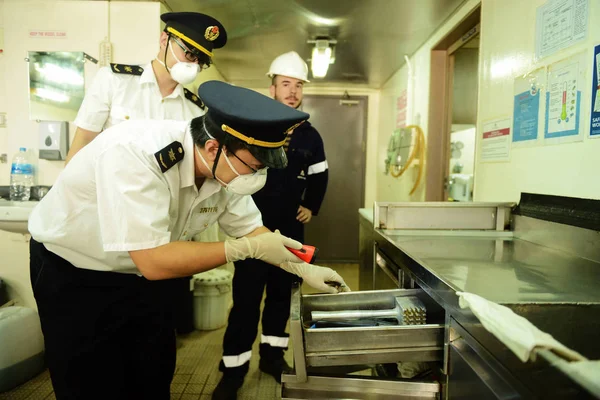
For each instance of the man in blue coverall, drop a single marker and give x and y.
(289, 199)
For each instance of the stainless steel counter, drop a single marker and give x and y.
(546, 273)
(503, 270)
(555, 290)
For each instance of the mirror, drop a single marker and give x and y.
(56, 85)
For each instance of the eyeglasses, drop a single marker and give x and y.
(190, 56)
(254, 170)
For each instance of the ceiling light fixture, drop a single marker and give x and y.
(323, 54)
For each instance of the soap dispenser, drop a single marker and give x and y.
(53, 140)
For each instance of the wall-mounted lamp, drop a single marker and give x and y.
(323, 54)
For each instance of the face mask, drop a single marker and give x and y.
(245, 184)
(182, 72)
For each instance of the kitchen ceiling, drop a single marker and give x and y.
(372, 35)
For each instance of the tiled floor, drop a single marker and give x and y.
(197, 373)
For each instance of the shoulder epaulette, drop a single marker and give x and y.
(169, 156)
(126, 69)
(193, 98)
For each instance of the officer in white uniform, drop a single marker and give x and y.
(155, 90)
(113, 231)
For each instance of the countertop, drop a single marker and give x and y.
(503, 269)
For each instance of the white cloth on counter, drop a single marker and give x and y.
(514, 331)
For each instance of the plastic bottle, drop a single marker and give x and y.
(21, 176)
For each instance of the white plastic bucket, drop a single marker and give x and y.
(21, 346)
(211, 295)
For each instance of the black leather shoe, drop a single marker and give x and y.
(227, 389)
(274, 367)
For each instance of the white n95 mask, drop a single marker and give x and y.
(245, 184)
(183, 72)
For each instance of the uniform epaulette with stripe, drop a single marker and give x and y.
(193, 98)
(169, 156)
(126, 69)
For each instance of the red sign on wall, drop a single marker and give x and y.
(496, 133)
(48, 34)
(401, 103)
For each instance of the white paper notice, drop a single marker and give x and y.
(560, 24)
(566, 82)
(495, 145)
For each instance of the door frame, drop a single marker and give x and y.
(440, 104)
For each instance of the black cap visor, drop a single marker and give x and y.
(272, 158)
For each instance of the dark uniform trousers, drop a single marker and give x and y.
(249, 281)
(107, 335)
(278, 202)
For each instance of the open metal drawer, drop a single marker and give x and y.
(365, 345)
(320, 354)
(322, 387)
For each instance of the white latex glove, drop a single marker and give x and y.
(317, 277)
(268, 247)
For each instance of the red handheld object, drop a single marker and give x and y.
(306, 253)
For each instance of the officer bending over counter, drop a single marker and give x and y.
(115, 229)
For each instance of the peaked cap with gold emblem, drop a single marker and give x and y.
(255, 119)
(200, 32)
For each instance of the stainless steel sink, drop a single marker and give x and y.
(14, 215)
(575, 325)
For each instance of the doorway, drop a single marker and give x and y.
(453, 113)
(342, 124)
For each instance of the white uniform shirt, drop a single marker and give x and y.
(113, 198)
(113, 98)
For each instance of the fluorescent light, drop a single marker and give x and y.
(321, 58)
(325, 21)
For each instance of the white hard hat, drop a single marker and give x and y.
(289, 64)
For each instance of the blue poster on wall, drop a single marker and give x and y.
(525, 115)
(595, 113)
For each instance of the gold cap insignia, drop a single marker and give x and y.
(211, 33)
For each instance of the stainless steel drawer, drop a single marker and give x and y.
(320, 387)
(375, 344)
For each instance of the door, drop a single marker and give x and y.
(451, 134)
(463, 109)
(342, 125)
